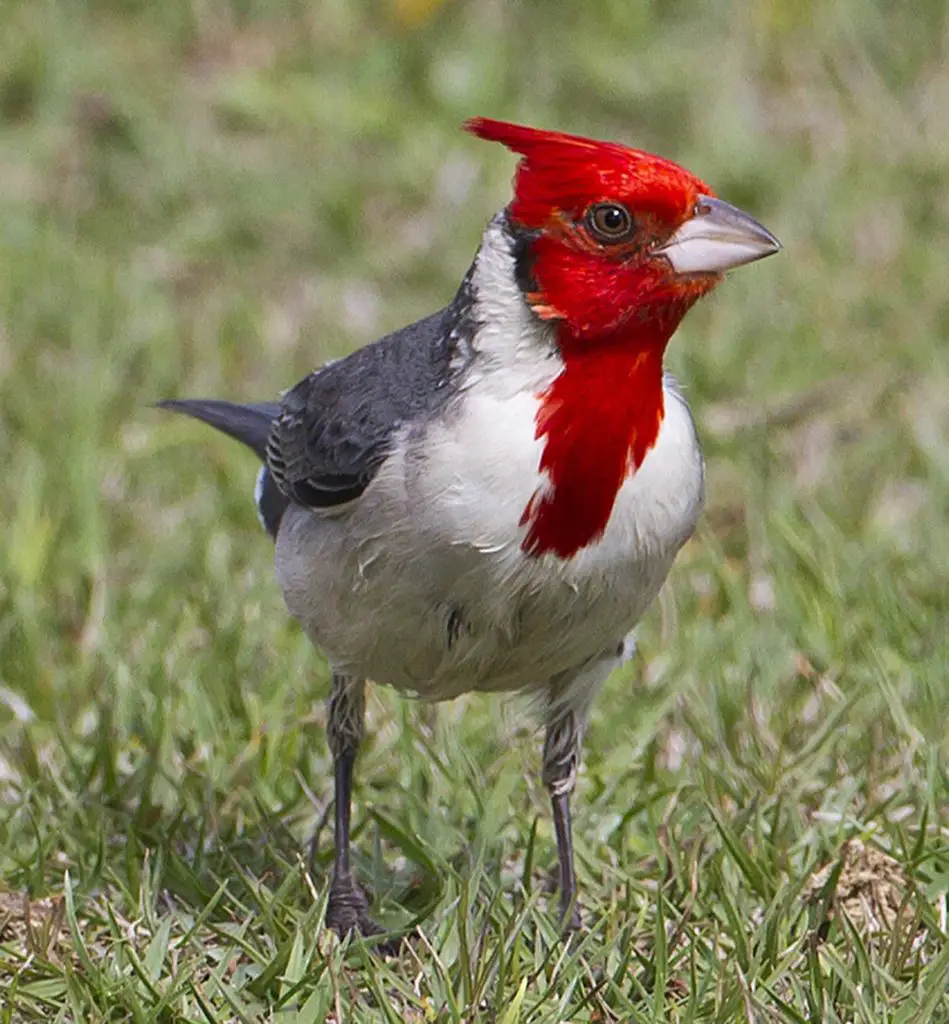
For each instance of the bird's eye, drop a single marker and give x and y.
(610, 222)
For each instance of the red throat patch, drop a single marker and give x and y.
(600, 418)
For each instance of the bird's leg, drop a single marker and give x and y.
(348, 908)
(561, 759)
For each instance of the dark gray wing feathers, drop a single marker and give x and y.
(337, 426)
(324, 443)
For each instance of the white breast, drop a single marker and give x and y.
(422, 583)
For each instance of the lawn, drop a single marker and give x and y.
(211, 199)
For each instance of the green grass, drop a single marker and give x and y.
(203, 198)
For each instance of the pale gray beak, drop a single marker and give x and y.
(717, 237)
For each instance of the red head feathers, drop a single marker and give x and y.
(620, 244)
(563, 173)
(599, 211)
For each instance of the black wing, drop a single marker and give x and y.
(337, 427)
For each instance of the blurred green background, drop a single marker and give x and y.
(210, 198)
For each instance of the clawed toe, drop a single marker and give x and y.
(347, 912)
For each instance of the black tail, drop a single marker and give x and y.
(249, 424)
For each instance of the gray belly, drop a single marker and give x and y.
(438, 620)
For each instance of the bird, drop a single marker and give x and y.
(490, 498)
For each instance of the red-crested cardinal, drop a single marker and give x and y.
(490, 498)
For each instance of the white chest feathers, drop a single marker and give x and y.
(422, 583)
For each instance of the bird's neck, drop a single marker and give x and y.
(601, 400)
(515, 348)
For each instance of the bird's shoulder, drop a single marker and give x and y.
(337, 426)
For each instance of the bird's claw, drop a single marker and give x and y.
(347, 912)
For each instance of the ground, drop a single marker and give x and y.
(211, 199)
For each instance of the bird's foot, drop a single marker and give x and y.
(347, 911)
(570, 920)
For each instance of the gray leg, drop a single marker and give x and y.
(561, 760)
(569, 698)
(348, 908)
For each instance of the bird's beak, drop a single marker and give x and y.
(717, 237)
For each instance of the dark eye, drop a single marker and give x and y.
(610, 222)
